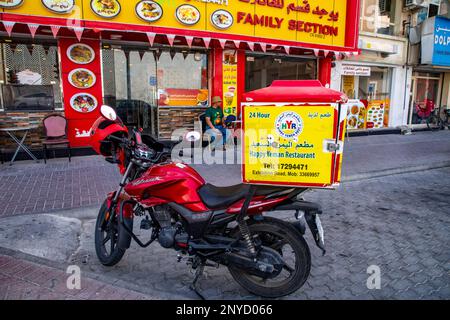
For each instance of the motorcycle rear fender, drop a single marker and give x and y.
(310, 210)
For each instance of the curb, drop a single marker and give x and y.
(395, 171)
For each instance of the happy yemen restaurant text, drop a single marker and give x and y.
(158, 63)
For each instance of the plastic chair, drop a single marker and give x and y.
(55, 129)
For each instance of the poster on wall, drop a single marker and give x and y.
(356, 114)
(348, 86)
(375, 114)
(229, 71)
(182, 97)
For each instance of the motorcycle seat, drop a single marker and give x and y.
(221, 197)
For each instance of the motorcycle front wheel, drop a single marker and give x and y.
(107, 233)
(290, 244)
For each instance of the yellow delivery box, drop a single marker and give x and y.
(293, 135)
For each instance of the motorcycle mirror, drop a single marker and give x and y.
(108, 112)
(192, 136)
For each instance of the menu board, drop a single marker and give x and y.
(375, 114)
(230, 74)
(356, 114)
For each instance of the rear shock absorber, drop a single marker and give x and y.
(245, 233)
(243, 227)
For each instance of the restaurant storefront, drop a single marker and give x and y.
(158, 63)
(430, 80)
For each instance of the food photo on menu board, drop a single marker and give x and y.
(59, 6)
(221, 19)
(83, 102)
(82, 78)
(356, 114)
(106, 8)
(187, 14)
(149, 11)
(80, 53)
(182, 97)
(10, 3)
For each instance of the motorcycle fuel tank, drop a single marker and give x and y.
(173, 182)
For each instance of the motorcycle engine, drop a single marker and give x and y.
(169, 228)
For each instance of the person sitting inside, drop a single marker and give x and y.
(215, 121)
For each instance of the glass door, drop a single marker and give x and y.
(130, 86)
(424, 98)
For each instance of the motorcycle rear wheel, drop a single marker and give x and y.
(107, 234)
(276, 234)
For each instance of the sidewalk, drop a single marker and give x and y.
(24, 280)
(29, 187)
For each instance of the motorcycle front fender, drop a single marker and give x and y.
(126, 218)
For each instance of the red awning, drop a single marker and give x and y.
(302, 91)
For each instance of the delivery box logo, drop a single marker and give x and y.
(289, 125)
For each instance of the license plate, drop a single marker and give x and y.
(320, 229)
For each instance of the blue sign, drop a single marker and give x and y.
(441, 53)
(153, 81)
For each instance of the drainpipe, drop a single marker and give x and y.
(407, 94)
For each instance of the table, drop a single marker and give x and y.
(20, 143)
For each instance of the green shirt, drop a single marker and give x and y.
(215, 114)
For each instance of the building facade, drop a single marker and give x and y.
(158, 63)
(389, 78)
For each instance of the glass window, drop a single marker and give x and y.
(373, 95)
(137, 81)
(261, 71)
(30, 77)
(182, 79)
(378, 16)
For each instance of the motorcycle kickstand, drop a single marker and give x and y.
(193, 286)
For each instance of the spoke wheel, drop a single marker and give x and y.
(107, 233)
(289, 243)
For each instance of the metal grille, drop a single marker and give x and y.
(35, 58)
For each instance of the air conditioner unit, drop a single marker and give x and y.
(383, 6)
(415, 4)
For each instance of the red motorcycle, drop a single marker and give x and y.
(211, 225)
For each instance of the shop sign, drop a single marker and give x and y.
(362, 71)
(230, 74)
(307, 21)
(289, 145)
(441, 52)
